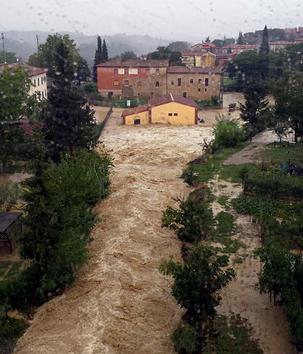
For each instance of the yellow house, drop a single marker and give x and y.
(171, 109)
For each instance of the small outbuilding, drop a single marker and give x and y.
(10, 227)
(171, 109)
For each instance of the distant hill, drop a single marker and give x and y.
(23, 43)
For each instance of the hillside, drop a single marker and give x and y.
(23, 43)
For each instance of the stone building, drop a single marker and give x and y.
(195, 83)
(132, 78)
(154, 78)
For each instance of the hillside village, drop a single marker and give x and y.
(152, 203)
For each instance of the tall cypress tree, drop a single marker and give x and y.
(240, 39)
(98, 57)
(264, 48)
(104, 52)
(68, 122)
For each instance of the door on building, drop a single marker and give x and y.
(185, 94)
(137, 121)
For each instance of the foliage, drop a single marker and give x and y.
(264, 48)
(198, 281)
(10, 330)
(255, 108)
(273, 184)
(227, 134)
(8, 58)
(68, 121)
(289, 102)
(165, 53)
(128, 55)
(232, 336)
(59, 201)
(283, 153)
(9, 195)
(98, 57)
(14, 89)
(192, 222)
(240, 39)
(185, 339)
(47, 57)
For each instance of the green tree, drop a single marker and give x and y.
(98, 57)
(197, 284)
(264, 48)
(128, 55)
(68, 122)
(8, 57)
(46, 56)
(58, 220)
(289, 102)
(254, 110)
(192, 222)
(104, 52)
(240, 39)
(14, 89)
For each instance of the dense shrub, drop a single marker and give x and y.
(273, 184)
(192, 222)
(9, 196)
(59, 220)
(10, 330)
(185, 339)
(227, 134)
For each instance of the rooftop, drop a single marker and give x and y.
(158, 101)
(7, 219)
(30, 70)
(135, 63)
(134, 110)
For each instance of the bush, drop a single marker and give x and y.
(192, 222)
(227, 133)
(9, 196)
(185, 339)
(10, 330)
(273, 184)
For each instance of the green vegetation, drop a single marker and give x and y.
(68, 122)
(214, 102)
(227, 134)
(232, 335)
(196, 288)
(118, 103)
(10, 330)
(9, 196)
(283, 153)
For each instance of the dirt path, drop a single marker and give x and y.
(241, 296)
(121, 303)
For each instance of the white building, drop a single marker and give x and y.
(36, 75)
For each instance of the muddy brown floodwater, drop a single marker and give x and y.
(120, 302)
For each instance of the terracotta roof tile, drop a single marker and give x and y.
(134, 110)
(135, 63)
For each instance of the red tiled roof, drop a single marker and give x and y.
(193, 70)
(240, 46)
(134, 110)
(135, 63)
(158, 101)
(30, 70)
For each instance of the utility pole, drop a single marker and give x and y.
(37, 39)
(3, 48)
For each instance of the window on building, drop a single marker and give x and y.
(206, 90)
(38, 82)
(133, 71)
(172, 83)
(191, 81)
(200, 80)
(206, 82)
(116, 71)
(185, 94)
(170, 114)
(176, 114)
(121, 71)
(139, 83)
(126, 82)
(199, 89)
(34, 82)
(116, 83)
(157, 84)
(179, 81)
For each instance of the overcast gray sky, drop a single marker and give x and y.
(169, 19)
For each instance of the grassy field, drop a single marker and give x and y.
(292, 153)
